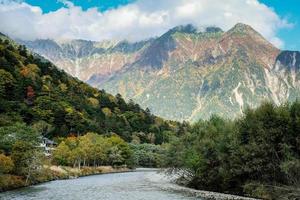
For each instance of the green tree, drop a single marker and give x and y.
(7, 83)
(43, 127)
(9, 135)
(61, 154)
(27, 159)
(115, 156)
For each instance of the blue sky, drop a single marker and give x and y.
(279, 22)
(289, 9)
(52, 5)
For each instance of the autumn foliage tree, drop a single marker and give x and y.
(92, 150)
(6, 164)
(30, 94)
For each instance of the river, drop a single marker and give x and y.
(139, 185)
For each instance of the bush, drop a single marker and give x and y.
(6, 164)
(8, 182)
(257, 190)
(291, 169)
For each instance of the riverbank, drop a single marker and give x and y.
(50, 173)
(170, 184)
(258, 191)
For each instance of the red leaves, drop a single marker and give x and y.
(30, 94)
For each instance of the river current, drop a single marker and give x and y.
(139, 185)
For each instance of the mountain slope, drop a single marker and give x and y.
(186, 74)
(84, 59)
(210, 72)
(34, 91)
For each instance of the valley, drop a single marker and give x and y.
(230, 118)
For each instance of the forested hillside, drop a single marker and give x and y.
(34, 91)
(90, 127)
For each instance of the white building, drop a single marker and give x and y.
(47, 145)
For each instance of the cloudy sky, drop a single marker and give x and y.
(277, 20)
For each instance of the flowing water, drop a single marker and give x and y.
(139, 185)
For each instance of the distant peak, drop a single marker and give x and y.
(243, 28)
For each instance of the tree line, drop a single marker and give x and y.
(257, 154)
(23, 159)
(93, 150)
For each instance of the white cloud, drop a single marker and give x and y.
(139, 20)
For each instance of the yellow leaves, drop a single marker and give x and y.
(91, 135)
(33, 67)
(47, 79)
(63, 87)
(45, 88)
(71, 142)
(6, 164)
(107, 112)
(30, 71)
(116, 140)
(62, 153)
(91, 148)
(96, 94)
(69, 110)
(112, 98)
(93, 101)
(24, 71)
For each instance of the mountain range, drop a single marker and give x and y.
(184, 74)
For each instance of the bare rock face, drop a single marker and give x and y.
(84, 59)
(185, 74)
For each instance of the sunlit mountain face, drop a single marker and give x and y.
(184, 74)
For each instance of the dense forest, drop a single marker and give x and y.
(257, 154)
(35, 92)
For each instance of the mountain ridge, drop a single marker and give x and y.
(201, 73)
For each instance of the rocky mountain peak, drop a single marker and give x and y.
(242, 28)
(198, 72)
(245, 30)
